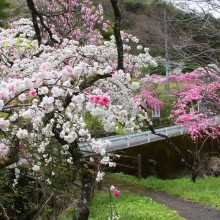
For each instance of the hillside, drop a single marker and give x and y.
(192, 39)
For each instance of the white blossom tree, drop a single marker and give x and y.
(51, 82)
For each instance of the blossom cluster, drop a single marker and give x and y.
(99, 100)
(48, 91)
(197, 99)
(195, 108)
(74, 19)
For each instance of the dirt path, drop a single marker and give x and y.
(186, 209)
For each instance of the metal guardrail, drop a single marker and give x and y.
(125, 141)
(131, 140)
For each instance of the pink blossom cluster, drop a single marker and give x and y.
(194, 108)
(116, 193)
(104, 100)
(198, 99)
(149, 99)
(192, 77)
(74, 19)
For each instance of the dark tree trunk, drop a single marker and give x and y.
(117, 33)
(32, 8)
(87, 187)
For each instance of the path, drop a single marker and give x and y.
(185, 208)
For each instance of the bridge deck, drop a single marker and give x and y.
(120, 142)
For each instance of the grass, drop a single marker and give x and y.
(205, 190)
(66, 215)
(127, 206)
(130, 206)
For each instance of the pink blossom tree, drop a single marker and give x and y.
(197, 109)
(198, 100)
(196, 106)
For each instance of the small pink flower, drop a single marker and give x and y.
(116, 193)
(104, 100)
(106, 26)
(92, 98)
(4, 147)
(32, 93)
(99, 100)
(96, 99)
(13, 104)
(22, 97)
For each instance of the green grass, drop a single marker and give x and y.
(205, 190)
(66, 215)
(130, 207)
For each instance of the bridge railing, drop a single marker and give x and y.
(130, 140)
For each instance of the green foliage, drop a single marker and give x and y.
(130, 206)
(4, 6)
(190, 66)
(23, 198)
(134, 6)
(119, 129)
(92, 123)
(156, 52)
(27, 196)
(109, 33)
(67, 215)
(11, 9)
(160, 70)
(203, 190)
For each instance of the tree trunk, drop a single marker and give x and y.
(87, 187)
(117, 33)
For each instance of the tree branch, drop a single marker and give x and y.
(31, 6)
(117, 29)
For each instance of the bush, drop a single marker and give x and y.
(160, 70)
(190, 66)
(134, 7)
(209, 167)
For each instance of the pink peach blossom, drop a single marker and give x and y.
(32, 93)
(116, 193)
